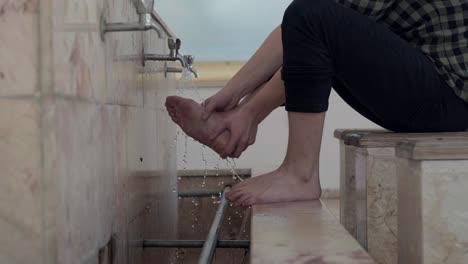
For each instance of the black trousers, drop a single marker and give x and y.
(382, 76)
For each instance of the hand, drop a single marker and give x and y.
(242, 126)
(222, 101)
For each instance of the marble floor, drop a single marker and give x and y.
(302, 232)
(334, 206)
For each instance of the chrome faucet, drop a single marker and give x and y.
(174, 55)
(189, 65)
(146, 21)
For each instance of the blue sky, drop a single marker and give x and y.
(221, 29)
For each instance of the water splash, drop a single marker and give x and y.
(232, 165)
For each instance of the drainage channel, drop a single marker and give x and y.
(211, 243)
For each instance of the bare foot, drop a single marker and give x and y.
(278, 186)
(188, 115)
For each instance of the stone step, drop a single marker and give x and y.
(432, 207)
(368, 186)
(301, 232)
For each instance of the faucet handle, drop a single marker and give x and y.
(174, 46)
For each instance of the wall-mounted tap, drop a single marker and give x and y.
(189, 64)
(146, 21)
(185, 61)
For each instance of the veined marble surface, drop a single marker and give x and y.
(301, 232)
(433, 214)
(86, 142)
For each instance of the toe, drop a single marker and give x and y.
(233, 195)
(241, 201)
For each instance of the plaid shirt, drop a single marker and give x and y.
(438, 27)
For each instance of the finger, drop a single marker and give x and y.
(208, 107)
(233, 196)
(252, 141)
(217, 130)
(249, 201)
(242, 200)
(252, 138)
(240, 147)
(230, 147)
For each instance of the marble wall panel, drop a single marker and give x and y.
(19, 45)
(432, 211)
(348, 188)
(79, 159)
(381, 205)
(71, 144)
(368, 201)
(79, 64)
(85, 65)
(20, 184)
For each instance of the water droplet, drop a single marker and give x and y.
(179, 178)
(174, 190)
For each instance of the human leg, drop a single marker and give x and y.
(257, 70)
(323, 44)
(239, 124)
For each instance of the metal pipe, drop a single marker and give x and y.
(180, 70)
(194, 243)
(209, 246)
(160, 57)
(207, 193)
(146, 22)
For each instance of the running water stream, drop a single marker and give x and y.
(186, 88)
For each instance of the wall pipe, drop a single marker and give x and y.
(207, 193)
(194, 243)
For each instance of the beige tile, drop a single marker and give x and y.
(18, 32)
(381, 205)
(20, 185)
(124, 72)
(301, 232)
(368, 207)
(79, 64)
(74, 160)
(20, 188)
(432, 211)
(18, 245)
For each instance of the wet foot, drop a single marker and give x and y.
(188, 115)
(276, 187)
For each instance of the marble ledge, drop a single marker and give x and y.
(301, 232)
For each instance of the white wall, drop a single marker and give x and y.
(268, 151)
(221, 30)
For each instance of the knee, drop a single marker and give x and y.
(303, 11)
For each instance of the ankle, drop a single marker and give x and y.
(301, 172)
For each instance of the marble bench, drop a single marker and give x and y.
(301, 232)
(433, 201)
(368, 187)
